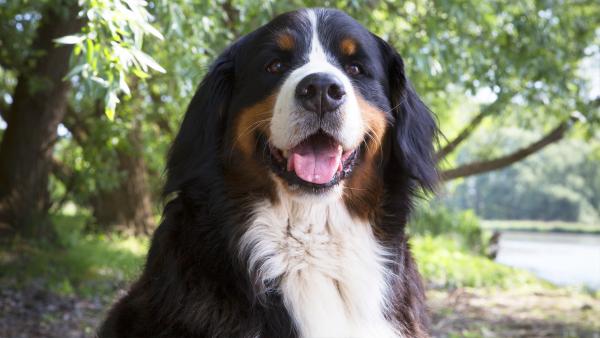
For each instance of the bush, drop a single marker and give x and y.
(462, 226)
(443, 263)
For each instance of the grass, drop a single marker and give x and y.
(87, 264)
(541, 226)
(84, 264)
(446, 264)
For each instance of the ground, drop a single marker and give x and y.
(469, 312)
(64, 291)
(462, 312)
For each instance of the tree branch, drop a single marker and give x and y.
(160, 120)
(463, 135)
(4, 109)
(470, 127)
(73, 122)
(9, 65)
(485, 166)
(232, 18)
(68, 177)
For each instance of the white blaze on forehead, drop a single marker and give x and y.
(317, 54)
(289, 123)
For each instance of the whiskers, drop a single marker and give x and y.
(262, 123)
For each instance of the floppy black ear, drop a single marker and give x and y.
(194, 153)
(415, 128)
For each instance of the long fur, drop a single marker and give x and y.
(238, 255)
(328, 266)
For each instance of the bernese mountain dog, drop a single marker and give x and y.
(290, 184)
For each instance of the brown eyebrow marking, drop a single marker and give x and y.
(286, 41)
(348, 46)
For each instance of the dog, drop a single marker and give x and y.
(291, 181)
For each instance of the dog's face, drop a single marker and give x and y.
(312, 91)
(314, 102)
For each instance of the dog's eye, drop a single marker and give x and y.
(276, 67)
(353, 69)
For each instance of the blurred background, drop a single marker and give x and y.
(92, 93)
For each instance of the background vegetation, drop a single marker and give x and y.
(92, 93)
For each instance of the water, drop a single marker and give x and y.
(563, 259)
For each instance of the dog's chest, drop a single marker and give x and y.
(329, 267)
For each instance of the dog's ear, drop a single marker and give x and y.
(415, 128)
(194, 153)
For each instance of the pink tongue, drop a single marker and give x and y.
(316, 160)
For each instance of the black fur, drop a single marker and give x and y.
(194, 283)
(415, 127)
(410, 167)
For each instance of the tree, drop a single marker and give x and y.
(129, 93)
(112, 32)
(126, 202)
(525, 55)
(38, 107)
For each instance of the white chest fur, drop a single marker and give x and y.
(330, 267)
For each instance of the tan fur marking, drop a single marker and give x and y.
(364, 188)
(286, 41)
(252, 119)
(348, 46)
(243, 172)
(376, 122)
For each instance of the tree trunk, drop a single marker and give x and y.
(38, 107)
(129, 205)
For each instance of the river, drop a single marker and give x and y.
(561, 258)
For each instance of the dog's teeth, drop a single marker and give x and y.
(285, 153)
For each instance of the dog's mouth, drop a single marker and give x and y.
(319, 162)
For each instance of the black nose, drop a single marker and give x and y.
(320, 93)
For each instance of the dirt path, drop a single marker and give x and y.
(33, 312)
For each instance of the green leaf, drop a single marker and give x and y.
(140, 73)
(70, 39)
(123, 84)
(153, 31)
(110, 113)
(111, 103)
(146, 60)
(76, 70)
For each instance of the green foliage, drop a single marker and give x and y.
(450, 49)
(559, 183)
(445, 263)
(18, 21)
(533, 57)
(85, 264)
(110, 47)
(461, 226)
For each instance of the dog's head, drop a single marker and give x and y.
(313, 103)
